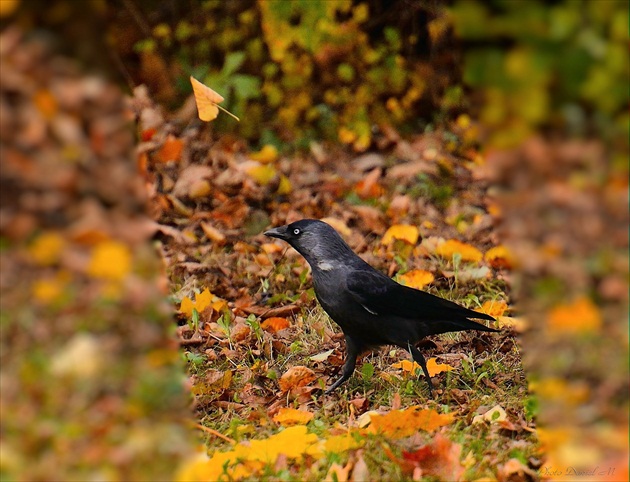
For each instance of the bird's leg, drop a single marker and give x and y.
(419, 359)
(352, 351)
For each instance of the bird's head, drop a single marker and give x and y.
(317, 241)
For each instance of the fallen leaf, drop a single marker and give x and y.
(404, 423)
(291, 416)
(580, 316)
(171, 150)
(416, 278)
(432, 366)
(452, 246)
(274, 324)
(207, 101)
(110, 260)
(493, 308)
(404, 232)
(266, 155)
(212, 233)
(495, 415)
(341, 227)
(202, 301)
(323, 356)
(440, 458)
(46, 249)
(499, 257)
(294, 377)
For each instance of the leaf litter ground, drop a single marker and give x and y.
(258, 345)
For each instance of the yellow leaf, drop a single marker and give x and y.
(346, 136)
(285, 186)
(7, 7)
(291, 416)
(493, 308)
(342, 443)
(266, 155)
(292, 442)
(399, 424)
(202, 301)
(433, 367)
(495, 415)
(467, 252)
(46, 249)
(404, 232)
(499, 257)
(519, 324)
(581, 316)
(263, 174)
(416, 278)
(207, 101)
(110, 260)
(186, 306)
(558, 389)
(50, 290)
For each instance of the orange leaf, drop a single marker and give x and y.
(467, 252)
(499, 257)
(110, 260)
(171, 150)
(404, 232)
(275, 324)
(493, 308)
(291, 416)
(46, 103)
(295, 377)
(581, 316)
(432, 366)
(440, 458)
(207, 101)
(416, 278)
(404, 423)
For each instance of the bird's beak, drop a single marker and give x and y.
(280, 233)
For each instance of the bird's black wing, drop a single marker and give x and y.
(381, 295)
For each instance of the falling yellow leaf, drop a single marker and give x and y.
(452, 246)
(291, 416)
(404, 232)
(499, 257)
(416, 278)
(493, 308)
(110, 260)
(399, 424)
(266, 155)
(46, 249)
(207, 101)
(297, 376)
(580, 316)
(433, 367)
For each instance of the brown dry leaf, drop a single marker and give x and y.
(207, 101)
(404, 423)
(171, 150)
(291, 416)
(274, 324)
(580, 316)
(452, 246)
(514, 469)
(404, 232)
(440, 458)
(369, 187)
(212, 233)
(295, 377)
(417, 278)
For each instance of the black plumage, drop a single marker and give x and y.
(371, 308)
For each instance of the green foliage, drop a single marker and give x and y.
(567, 65)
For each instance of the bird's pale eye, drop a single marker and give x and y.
(296, 231)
